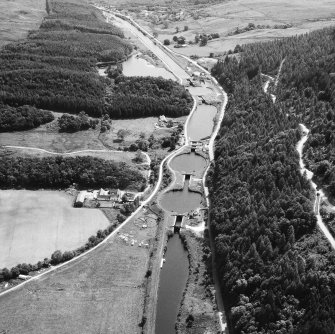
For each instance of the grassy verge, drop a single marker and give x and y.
(197, 310)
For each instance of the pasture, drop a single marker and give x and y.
(225, 17)
(17, 17)
(33, 224)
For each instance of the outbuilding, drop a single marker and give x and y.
(80, 199)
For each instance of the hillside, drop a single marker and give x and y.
(276, 268)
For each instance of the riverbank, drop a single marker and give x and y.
(197, 313)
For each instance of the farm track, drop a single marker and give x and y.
(74, 152)
(319, 195)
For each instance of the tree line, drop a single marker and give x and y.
(22, 118)
(71, 123)
(54, 68)
(275, 268)
(132, 97)
(61, 172)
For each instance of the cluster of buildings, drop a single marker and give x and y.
(116, 196)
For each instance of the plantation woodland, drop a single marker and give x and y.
(60, 172)
(277, 271)
(143, 96)
(55, 68)
(22, 118)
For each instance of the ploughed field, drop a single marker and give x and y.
(34, 224)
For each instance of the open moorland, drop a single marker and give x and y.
(269, 19)
(34, 224)
(17, 17)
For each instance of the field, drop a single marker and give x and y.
(103, 292)
(48, 138)
(135, 128)
(225, 17)
(36, 223)
(17, 17)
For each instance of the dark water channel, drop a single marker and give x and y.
(181, 201)
(174, 273)
(189, 163)
(202, 122)
(171, 285)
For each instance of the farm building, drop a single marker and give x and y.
(107, 195)
(80, 199)
(124, 196)
(104, 195)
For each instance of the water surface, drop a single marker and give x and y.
(171, 286)
(188, 163)
(135, 66)
(202, 122)
(181, 201)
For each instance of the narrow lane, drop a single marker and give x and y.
(318, 194)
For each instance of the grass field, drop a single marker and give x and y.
(48, 138)
(120, 156)
(34, 224)
(135, 128)
(17, 17)
(103, 292)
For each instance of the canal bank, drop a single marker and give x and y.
(212, 116)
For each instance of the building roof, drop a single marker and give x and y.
(81, 197)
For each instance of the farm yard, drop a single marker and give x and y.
(36, 223)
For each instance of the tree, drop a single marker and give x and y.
(203, 41)
(175, 38)
(7, 275)
(122, 134)
(181, 40)
(139, 156)
(56, 257)
(167, 42)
